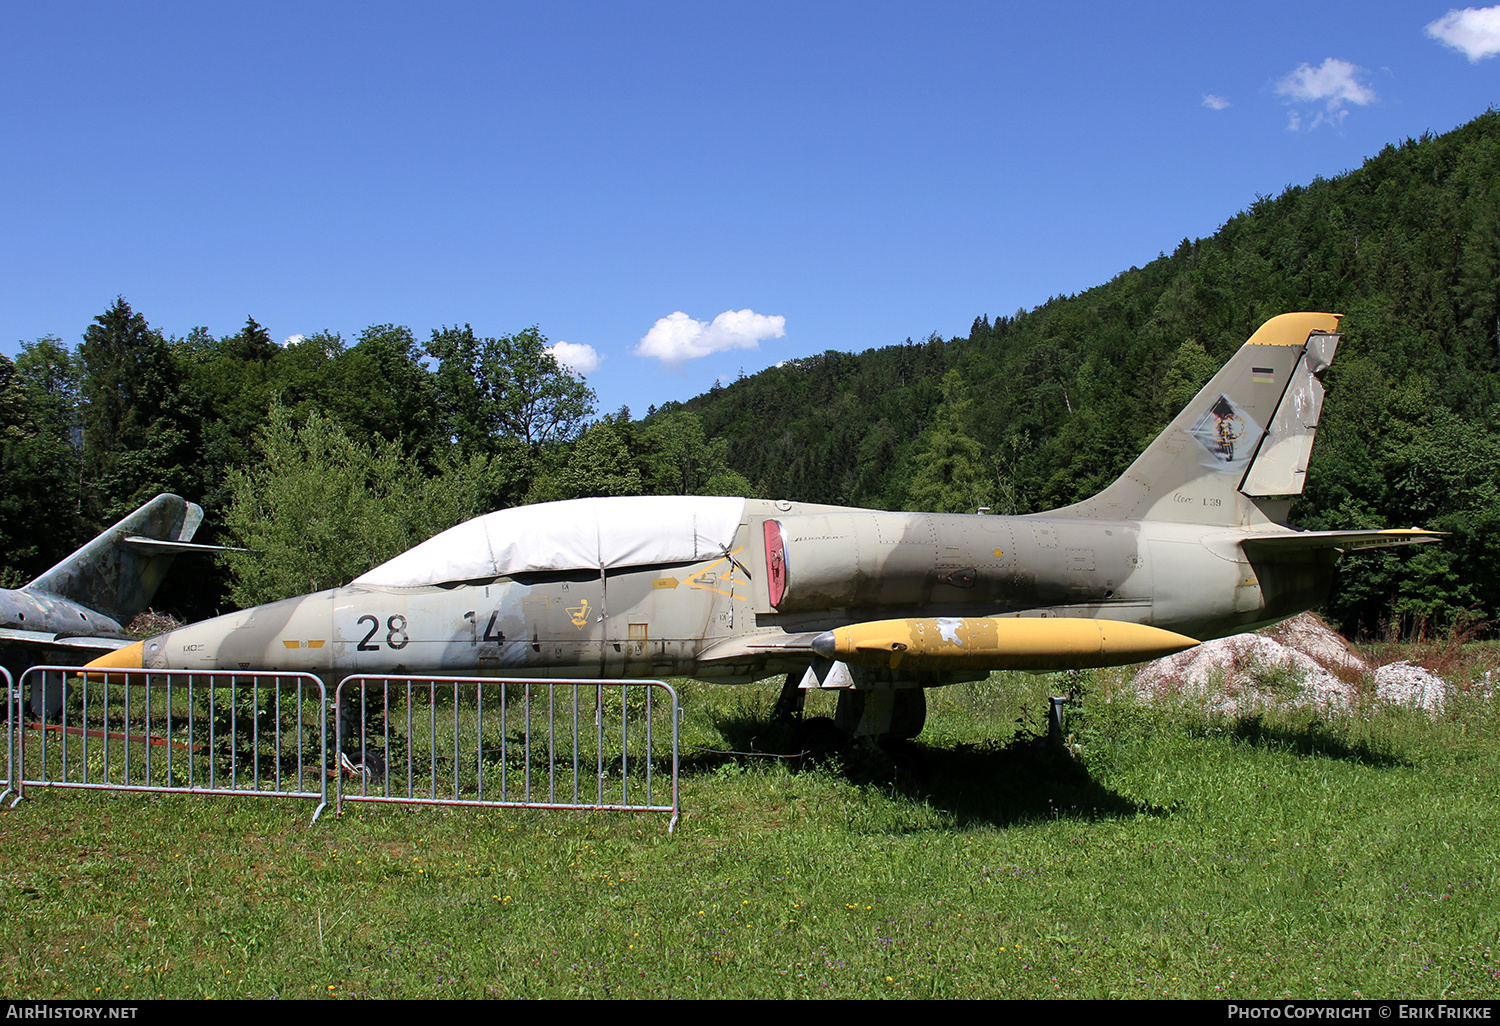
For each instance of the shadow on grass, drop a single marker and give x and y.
(1314, 738)
(977, 784)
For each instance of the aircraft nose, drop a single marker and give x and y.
(127, 658)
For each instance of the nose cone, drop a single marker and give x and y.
(127, 658)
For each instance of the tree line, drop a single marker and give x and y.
(325, 457)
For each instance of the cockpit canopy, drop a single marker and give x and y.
(577, 534)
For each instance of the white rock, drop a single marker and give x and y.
(1299, 662)
(1404, 683)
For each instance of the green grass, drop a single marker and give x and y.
(1178, 855)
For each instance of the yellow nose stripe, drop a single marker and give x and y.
(127, 658)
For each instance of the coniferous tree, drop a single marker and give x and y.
(134, 441)
(951, 476)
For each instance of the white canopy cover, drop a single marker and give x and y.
(633, 530)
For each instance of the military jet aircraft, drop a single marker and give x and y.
(1188, 544)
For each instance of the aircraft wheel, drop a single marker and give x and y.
(369, 766)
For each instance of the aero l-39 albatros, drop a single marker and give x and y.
(1188, 544)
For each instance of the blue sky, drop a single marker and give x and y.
(689, 190)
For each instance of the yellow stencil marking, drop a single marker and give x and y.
(579, 613)
(696, 581)
(665, 582)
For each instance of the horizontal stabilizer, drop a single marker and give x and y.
(156, 546)
(1344, 541)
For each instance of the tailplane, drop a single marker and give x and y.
(1242, 441)
(119, 571)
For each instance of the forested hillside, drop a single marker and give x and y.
(1046, 406)
(331, 455)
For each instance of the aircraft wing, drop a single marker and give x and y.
(1344, 541)
(72, 643)
(758, 646)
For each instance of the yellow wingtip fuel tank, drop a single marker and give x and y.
(998, 643)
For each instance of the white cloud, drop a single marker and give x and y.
(1213, 102)
(292, 340)
(1474, 31)
(679, 337)
(1333, 83)
(575, 356)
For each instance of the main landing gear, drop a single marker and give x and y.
(874, 718)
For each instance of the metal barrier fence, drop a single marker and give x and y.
(550, 744)
(12, 709)
(181, 731)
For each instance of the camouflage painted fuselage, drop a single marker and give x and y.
(714, 620)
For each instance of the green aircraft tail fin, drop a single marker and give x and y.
(1243, 441)
(119, 571)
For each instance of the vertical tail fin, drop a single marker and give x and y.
(119, 571)
(1245, 437)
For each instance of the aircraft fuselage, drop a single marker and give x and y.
(794, 570)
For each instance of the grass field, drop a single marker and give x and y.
(1177, 855)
